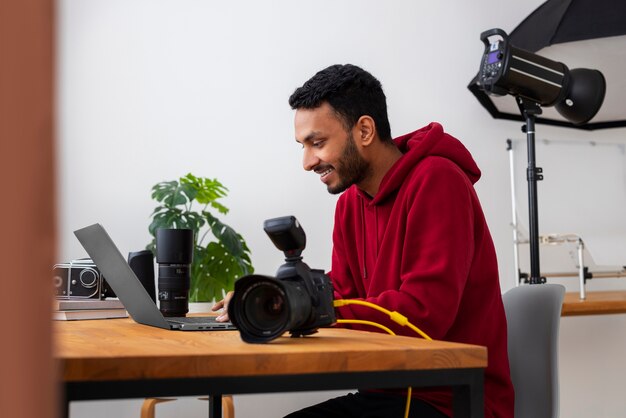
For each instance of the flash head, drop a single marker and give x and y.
(504, 69)
(287, 235)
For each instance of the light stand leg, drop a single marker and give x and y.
(533, 174)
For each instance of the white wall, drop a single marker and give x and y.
(151, 90)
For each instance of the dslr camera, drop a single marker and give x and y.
(80, 279)
(299, 299)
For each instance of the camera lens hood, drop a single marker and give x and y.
(174, 246)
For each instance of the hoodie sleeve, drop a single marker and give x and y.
(424, 276)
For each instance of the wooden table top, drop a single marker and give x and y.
(596, 303)
(120, 349)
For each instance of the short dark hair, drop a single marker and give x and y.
(351, 91)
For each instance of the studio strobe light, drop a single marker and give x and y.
(536, 81)
(576, 94)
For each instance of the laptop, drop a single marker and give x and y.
(129, 289)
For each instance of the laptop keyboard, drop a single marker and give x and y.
(194, 320)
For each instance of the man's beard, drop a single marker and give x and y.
(351, 168)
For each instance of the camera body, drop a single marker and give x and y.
(319, 289)
(299, 299)
(80, 279)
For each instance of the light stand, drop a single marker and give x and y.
(536, 81)
(530, 110)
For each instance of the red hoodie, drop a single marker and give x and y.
(422, 247)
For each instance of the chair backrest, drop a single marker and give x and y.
(533, 314)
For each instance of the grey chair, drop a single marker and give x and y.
(533, 314)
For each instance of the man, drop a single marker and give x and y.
(409, 232)
(409, 235)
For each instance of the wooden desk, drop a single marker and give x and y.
(117, 358)
(596, 303)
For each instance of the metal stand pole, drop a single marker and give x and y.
(514, 224)
(581, 268)
(533, 174)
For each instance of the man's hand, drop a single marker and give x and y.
(223, 305)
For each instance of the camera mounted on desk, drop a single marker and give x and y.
(299, 299)
(80, 279)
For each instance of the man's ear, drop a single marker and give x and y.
(365, 130)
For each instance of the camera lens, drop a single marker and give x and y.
(174, 248)
(88, 278)
(263, 308)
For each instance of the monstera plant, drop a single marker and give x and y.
(220, 254)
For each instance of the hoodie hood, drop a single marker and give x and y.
(428, 141)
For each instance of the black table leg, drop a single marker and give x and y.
(215, 406)
(468, 400)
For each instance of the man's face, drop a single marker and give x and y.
(329, 150)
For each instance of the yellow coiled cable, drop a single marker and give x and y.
(395, 316)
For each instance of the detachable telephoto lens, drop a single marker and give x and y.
(174, 253)
(263, 308)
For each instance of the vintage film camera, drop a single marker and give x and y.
(298, 300)
(80, 279)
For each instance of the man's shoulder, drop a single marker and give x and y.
(437, 162)
(435, 167)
